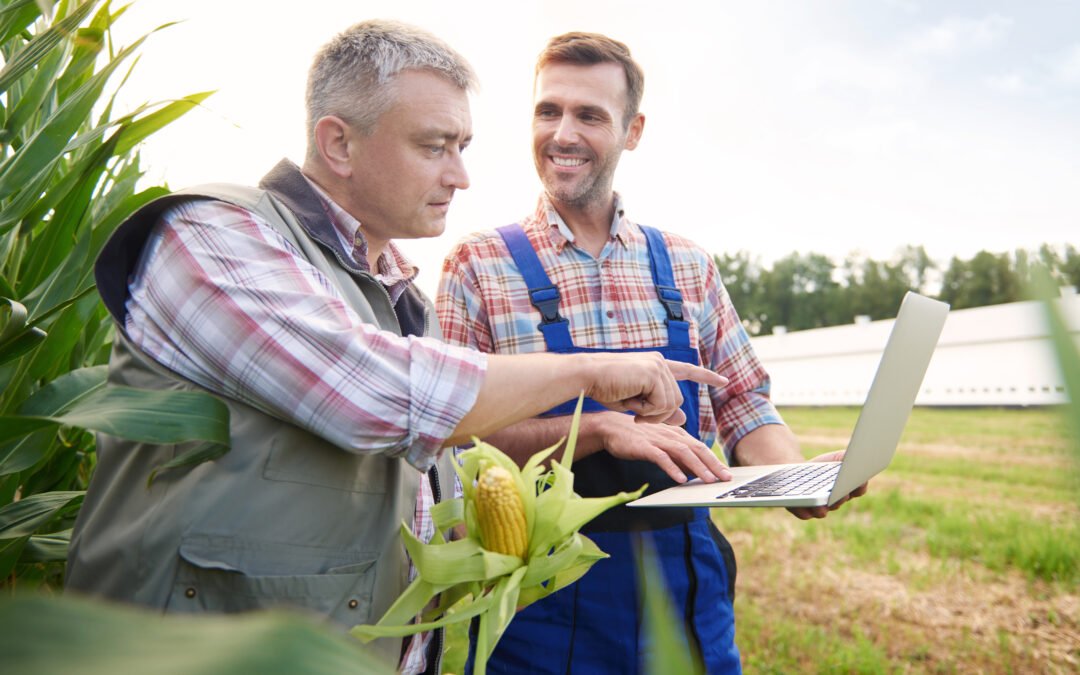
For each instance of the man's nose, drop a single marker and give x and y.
(456, 176)
(566, 132)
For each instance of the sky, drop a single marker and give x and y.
(841, 127)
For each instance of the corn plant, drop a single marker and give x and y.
(522, 544)
(69, 173)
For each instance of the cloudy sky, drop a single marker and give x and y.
(771, 126)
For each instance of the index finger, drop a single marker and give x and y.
(686, 371)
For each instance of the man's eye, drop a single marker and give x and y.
(547, 114)
(436, 149)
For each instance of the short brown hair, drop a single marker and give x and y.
(591, 48)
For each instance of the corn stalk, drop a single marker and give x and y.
(69, 170)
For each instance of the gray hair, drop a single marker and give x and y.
(352, 76)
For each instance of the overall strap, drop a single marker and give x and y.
(664, 280)
(542, 293)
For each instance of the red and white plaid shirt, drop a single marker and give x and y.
(611, 303)
(222, 299)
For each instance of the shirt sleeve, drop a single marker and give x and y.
(222, 299)
(743, 405)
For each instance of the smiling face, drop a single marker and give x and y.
(403, 175)
(578, 131)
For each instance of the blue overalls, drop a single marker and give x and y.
(594, 625)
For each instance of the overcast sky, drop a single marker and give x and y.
(771, 127)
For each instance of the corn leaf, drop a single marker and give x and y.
(16, 16)
(669, 650)
(203, 452)
(45, 146)
(35, 50)
(52, 547)
(24, 517)
(40, 635)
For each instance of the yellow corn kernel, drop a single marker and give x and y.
(501, 513)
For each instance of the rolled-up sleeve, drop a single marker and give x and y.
(222, 299)
(744, 404)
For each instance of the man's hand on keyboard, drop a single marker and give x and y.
(809, 512)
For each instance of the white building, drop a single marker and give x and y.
(998, 355)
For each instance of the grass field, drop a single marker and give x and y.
(932, 571)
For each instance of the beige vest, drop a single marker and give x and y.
(284, 518)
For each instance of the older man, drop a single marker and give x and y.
(578, 275)
(291, 302)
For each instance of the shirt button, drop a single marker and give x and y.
(189, 593)
(354, 603)
(610, 314)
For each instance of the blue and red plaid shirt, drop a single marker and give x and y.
(611, 303)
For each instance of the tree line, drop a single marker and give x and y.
(801, 291)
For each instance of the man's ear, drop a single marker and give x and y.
(633, 132)
(332, 135)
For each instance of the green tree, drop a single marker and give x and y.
(69, 168)
(987, 279)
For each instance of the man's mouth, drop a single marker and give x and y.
(568, 161)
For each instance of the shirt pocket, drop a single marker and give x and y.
(224, 576)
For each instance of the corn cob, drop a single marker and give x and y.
(501, 513)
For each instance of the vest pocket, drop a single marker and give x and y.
(239, 578)
(299, 457)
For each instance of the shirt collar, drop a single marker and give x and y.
(561, 232)
(394, 267)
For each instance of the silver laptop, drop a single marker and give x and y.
(872, 445)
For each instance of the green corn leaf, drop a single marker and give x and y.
(24, 517)
(16, 16)
(45, 635)
(65, 391)
(137, 414)
(203, 452)
(448, 513)
(476, 608)
(21, 344)
(134, 133)
(457, 561)
(670, 652)
(493, 623)
(52, 547)
(35, 50)
(152, 416)
(34, 96)
(47, 144)
(28, 451)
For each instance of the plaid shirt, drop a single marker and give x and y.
(222, 299)
(611, 303)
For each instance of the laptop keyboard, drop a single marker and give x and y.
(804, 479)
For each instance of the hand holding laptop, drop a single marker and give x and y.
(773, 473)
(811, 512)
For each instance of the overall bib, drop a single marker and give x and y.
(595, 625)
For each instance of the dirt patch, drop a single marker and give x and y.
(944, 617)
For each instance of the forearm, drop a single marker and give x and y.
(524, 439)
(768, 444)
(519, 387)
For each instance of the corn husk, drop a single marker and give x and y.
(471, 581)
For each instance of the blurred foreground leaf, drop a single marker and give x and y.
(43, 636)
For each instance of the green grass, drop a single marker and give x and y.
(971, 537)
